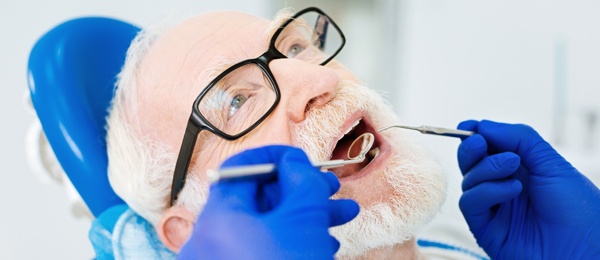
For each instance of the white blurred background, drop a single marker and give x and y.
(438, 62)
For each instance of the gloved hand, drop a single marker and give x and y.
(522, 200)
(286, 217)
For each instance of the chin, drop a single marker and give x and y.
(399, 192)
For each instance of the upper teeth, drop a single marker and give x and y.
(352, 127)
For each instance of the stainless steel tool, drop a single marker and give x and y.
(432, 130)
(356, 154)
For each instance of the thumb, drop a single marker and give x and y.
(299, 178)
(249, 193)
(536, 154)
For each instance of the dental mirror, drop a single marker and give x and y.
(356, 154)
(361, 146)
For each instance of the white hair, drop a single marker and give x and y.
(140, 169)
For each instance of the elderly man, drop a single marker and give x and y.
(252, 82)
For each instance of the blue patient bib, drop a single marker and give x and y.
(119, 233)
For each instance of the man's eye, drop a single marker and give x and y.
(236, 103)
(294, 50)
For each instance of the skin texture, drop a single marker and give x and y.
(183, 61)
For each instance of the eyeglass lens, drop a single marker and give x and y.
(238, 100)
(309, 37)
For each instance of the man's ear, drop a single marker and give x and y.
(175, 227)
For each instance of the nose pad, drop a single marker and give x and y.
(303, 85)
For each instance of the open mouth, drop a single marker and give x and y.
(340, 151)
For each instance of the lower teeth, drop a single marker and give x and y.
(374, 152)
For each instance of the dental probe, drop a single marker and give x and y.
(432, 130)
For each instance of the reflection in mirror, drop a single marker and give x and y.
(361, 146)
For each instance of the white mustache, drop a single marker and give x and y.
(409, 171)
(316, 135)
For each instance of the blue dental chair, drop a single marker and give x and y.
(72, 72)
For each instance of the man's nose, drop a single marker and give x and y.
(303, 86)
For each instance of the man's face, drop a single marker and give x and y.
(322, 109)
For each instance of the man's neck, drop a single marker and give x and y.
(406, 250)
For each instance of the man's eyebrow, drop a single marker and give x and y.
(218, 66)
(281, 16)
(203, 78)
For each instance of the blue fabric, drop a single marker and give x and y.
(119, 233)
(443, 246)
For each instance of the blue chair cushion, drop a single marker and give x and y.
(72, 73)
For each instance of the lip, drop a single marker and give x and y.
(384, 150)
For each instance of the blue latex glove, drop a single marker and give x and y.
(522, 200)
(285, 217)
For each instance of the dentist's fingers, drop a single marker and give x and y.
(334, 182)
(299, 178)
(470, 151)
(476, 203)
(491, 168)
(342, 211)
(536, 154)
(469, 125)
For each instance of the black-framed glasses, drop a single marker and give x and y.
(241, 97)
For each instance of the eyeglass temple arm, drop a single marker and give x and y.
(183, 162)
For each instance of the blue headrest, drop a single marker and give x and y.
(72, 72)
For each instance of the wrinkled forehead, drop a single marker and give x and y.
(225, 34)
(206, 44)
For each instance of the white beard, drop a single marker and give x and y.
(418, 184)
